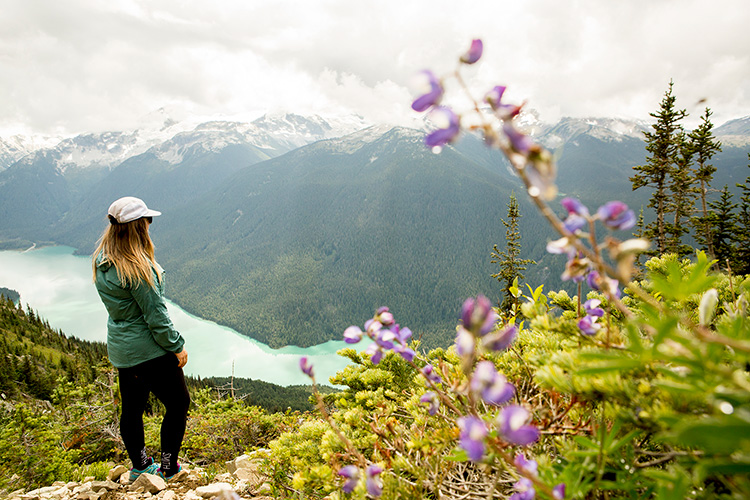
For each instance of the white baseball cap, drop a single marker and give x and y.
(129, 208)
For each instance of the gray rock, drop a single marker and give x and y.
(149, 483)
(223, 478)
(104, 485)
(238, 463)
(167, 495)
(192, 495)
(116, 471)
(82, 488)
(213, 489)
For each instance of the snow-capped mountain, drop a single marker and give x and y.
(171, 141)
(15, 147)
(605, 129)
(274, 134)
(95, 151)
(734, 132)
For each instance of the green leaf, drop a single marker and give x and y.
(623, 441)
(726, 467)
(458, 455)
(514, 290)
(678, 287)
(585, 442)
(623, 364)
(725, 434)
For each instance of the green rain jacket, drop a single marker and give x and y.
(139, 327)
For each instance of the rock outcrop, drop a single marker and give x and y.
(243, 481)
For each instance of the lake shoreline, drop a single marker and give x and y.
(57, 284)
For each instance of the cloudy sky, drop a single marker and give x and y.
(77, 66)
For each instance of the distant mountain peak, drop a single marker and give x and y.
(276, 133)
(17, 146)
(734, 132)
(605, 129)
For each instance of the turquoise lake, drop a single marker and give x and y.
(57, 284)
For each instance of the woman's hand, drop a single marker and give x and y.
(181, 358)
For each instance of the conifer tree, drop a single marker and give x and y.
(681, 200)
(638, 233)
(511, 265)
(662, 147)
(742, 234)
(724, 228)
(705, 146)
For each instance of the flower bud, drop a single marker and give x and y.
(474, 52)
(707, 307)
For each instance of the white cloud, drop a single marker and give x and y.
(87, 65)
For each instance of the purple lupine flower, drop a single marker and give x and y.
(561, 246)
(513, 425)
(372, 326)
(431, 90)
(306, 366)
(575, 222)
(373, 483)
(478, 316)
(384, 316)
(464, 342)
(558, 492)
(448, 124)
(432, 401)
(520, 142)
(576, 268)
(484, 375)
(592, 308)
(593, 279)
(429, 373)
(494, 98)
(577, 214)
(614, 287)
(353, 334)
(400, 334)
(616, 215)
(471, 437)
(500, 339)
(375, 351)
(588, 325)
(351, 473)
(405, 352)
(384, 338)
(524, 490)
(474, 52)
(574, 206)
(499, 392)
(492, 386)
(526, 466)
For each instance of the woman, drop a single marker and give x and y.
(142, 343)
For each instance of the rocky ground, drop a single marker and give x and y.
(243, 481)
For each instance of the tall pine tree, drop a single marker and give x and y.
(511, 263)
(724, 228)
(742, 233)
(662, 146)
(681, 200)
(705, 146)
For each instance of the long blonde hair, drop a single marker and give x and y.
(129, 248)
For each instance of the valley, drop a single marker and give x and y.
(290, 229)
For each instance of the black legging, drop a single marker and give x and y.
(166, 380)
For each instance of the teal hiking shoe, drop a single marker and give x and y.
(170, 476)
(152, 468)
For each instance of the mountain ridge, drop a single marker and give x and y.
(290, 245)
